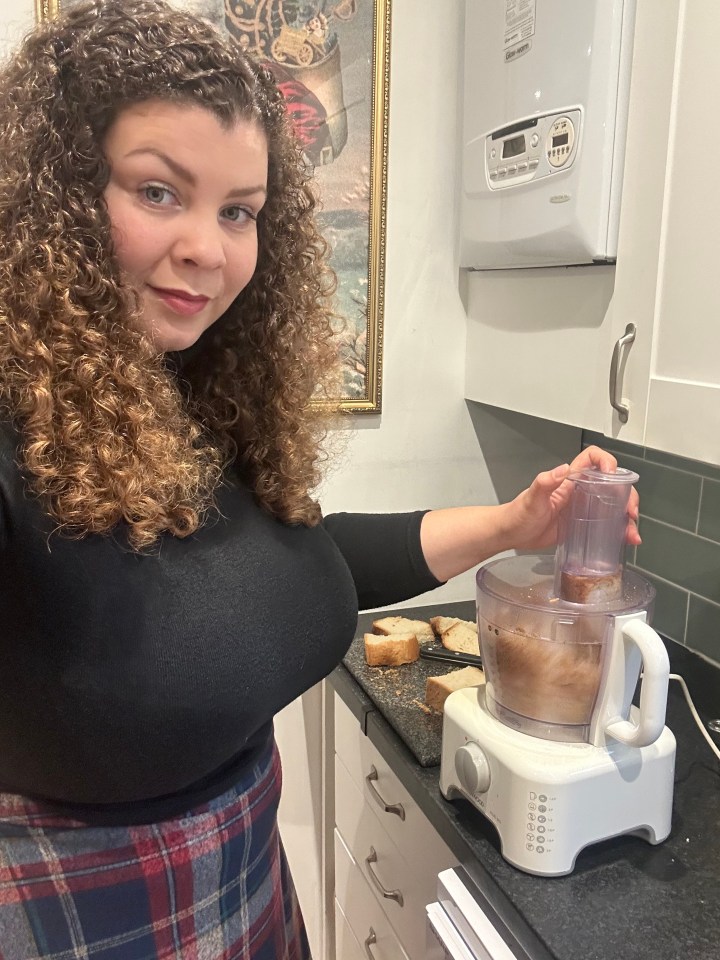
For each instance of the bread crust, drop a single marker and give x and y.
(390, 625)
(580, 588)
(438, 689)
(392, 650)
(462, 639)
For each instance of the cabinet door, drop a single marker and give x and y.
(684, 392)
(539, 342)
(386, 797)
(667, 270)
(346, 945)
(366, 920)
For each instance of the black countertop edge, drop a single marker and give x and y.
(421, 784)
(353, 696)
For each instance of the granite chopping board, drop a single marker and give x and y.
(399, 692)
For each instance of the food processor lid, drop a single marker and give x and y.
(596, 475)
(529, 581)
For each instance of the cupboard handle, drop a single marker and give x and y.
(369, 940)
(617, 401)
(395, 895)
(396, 808)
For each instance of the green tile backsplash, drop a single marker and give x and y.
(709, 520)
(680, 552)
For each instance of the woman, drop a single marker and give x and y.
(168, 582)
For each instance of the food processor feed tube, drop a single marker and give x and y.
(589, 558)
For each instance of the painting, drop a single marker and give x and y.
(331, 58)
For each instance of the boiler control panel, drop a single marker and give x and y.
(532, 148)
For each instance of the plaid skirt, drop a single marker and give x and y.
(209, 885)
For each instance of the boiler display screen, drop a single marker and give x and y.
(511, 148)
(560, 140)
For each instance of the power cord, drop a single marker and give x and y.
(696, 716)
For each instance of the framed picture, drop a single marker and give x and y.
(332, 61)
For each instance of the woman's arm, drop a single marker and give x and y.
(460, 538)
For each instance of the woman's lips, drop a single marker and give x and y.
(186, 304)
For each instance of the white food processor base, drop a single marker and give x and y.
(549, 800)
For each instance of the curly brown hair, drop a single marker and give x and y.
(110, 432)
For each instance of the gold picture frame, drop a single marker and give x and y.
(355, 116)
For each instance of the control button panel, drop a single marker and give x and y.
(540, 829)
(560, 142)
(531, 149)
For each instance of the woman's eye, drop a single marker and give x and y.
(157, 195)
(237, 214)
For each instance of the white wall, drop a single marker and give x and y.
(16, 18)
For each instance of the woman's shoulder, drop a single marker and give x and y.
(9, 440)
(10, 477)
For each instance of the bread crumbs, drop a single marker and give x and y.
(424, 707)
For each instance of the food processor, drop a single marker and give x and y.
(551, 748)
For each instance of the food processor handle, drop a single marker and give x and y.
(653, 688)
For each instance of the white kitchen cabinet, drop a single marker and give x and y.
(668, 260)
(541, 341)
(303, 732)
(366, 922)
(387, 854)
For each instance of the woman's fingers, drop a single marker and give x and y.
(594, 457)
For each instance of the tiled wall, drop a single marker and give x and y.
(680, 552)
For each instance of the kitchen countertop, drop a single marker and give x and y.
(626, 898)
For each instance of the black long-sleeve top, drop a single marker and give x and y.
(134, 687)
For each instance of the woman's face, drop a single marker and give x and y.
(183, 198)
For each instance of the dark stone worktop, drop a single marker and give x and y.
(626, 899)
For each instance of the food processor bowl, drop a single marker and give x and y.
(545, 658)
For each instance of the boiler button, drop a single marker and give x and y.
(493, 175)
(522, 167)
(534, 140)
(512, 169)
(502, 171)
(533, 163)
(472, 768)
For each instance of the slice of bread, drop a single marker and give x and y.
(441, 624)
(438, 689)
(391, 651)
(389, 625)
(461, 637)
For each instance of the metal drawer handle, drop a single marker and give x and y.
(618, 402)
(397, 808)
(369, 940)
(395, 895)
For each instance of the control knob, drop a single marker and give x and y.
(472, 768)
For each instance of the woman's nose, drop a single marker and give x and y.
(200, 242)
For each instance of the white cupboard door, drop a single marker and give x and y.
(666, 281)
(346, 945)
(387, 798)
(684, 397)
(366, 920)
(539, 342)
(635, 295)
